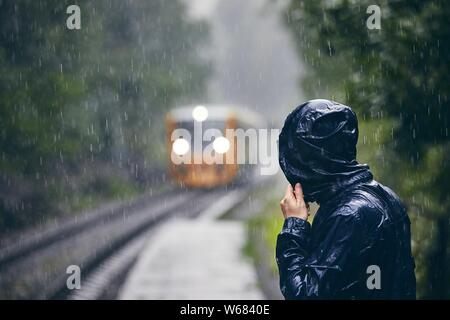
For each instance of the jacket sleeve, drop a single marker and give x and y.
(314, 272)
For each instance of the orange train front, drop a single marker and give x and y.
(198, 134)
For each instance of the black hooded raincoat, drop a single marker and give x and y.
(361, 230)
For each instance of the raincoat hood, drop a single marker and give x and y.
(317, 147)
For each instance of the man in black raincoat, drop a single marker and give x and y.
(359, 245)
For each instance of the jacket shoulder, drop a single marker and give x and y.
(360, 204)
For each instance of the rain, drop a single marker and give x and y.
(108, 190)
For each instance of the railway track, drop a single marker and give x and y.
(103, 244)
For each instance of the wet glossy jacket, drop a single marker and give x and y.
(361, 230)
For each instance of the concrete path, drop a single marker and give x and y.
(194, 259)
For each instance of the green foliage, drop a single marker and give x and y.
(78, 105)
(264, 228)
(397, 77)
(37, 86)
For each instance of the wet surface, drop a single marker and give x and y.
(197, 259)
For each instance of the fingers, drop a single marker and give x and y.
(282, 205)
(289, 192)
(298, 192)
(288, 197)
(293, 204)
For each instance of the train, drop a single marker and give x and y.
(209, 161)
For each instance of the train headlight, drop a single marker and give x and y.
(200, 113)
(221, 145)
(180, 146)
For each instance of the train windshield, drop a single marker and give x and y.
(189, 125)
(196, 134)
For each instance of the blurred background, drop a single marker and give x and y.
(84, 158)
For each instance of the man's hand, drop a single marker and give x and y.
(293, 205)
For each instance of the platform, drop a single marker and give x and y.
(194, 259)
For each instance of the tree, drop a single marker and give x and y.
(149, 59)
(39, 84)
(75, 103)
(399, 72)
